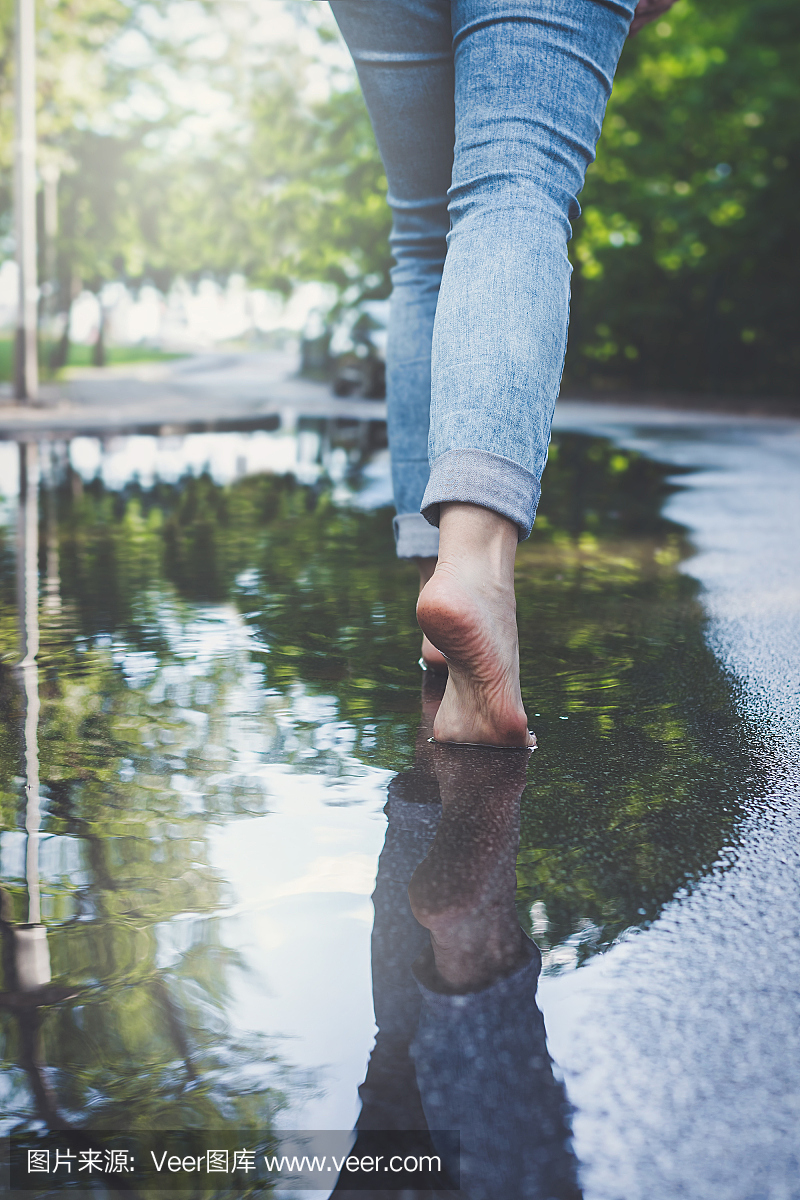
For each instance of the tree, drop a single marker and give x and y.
(296, 192)
(685, 259)
(107, 108)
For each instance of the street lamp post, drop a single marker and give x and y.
(26, 370)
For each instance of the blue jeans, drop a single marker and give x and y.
(487, 114)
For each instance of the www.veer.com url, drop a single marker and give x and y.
(353, 1163)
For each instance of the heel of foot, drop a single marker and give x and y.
(477, 633)
(448, 620)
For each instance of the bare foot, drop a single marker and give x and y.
(432, 658)
(468, 611)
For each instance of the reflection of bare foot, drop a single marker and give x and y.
(419, 784)
(432, 659)
(468, 611)
(465, 889)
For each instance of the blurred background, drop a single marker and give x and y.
(207, 174)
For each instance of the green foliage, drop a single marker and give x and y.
(100, 236)
(6, 359)
(105, 115)
(323, 207)
(298, 194)
(685, 256)
(81, 356)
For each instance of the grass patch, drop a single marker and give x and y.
(81, 356)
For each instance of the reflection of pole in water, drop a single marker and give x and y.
(33, 959)
(51, 600)
(28, 552)
(25, 945)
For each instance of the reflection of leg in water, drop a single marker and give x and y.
(389, 1094)
(464, 891)
(481, 1059)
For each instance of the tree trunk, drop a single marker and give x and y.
(69, 285)
(99, 348)
(59, 355)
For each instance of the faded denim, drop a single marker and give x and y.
(487, 114)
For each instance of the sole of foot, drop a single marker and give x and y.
(473, 625)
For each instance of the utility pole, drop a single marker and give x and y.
(49, 174)
(26, 368)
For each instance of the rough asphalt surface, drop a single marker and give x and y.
(681, 1047)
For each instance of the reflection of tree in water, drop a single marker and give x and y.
(630, 798)
(132, 1032)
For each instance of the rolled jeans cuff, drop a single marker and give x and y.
(414, 537)
(478, 477)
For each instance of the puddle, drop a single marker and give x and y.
(219, 688)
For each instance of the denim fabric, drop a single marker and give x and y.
(476, 1062)
(486, 113)
(414, 537)
(483, 1068)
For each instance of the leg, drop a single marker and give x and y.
(480, 1052)
(403, 54)
(532, 78)
(464, 891)
(389, 1094)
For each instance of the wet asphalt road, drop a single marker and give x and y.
(681, 1047)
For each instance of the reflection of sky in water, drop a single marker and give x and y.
(300, 878)
(146, 459)
(305, 929)
(225, 456)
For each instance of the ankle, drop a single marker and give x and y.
(477, 541)
(473, 958)
(426, 568)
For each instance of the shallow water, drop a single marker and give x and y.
(224, 692)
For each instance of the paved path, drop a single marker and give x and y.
(681, 1048)
(200, 392)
